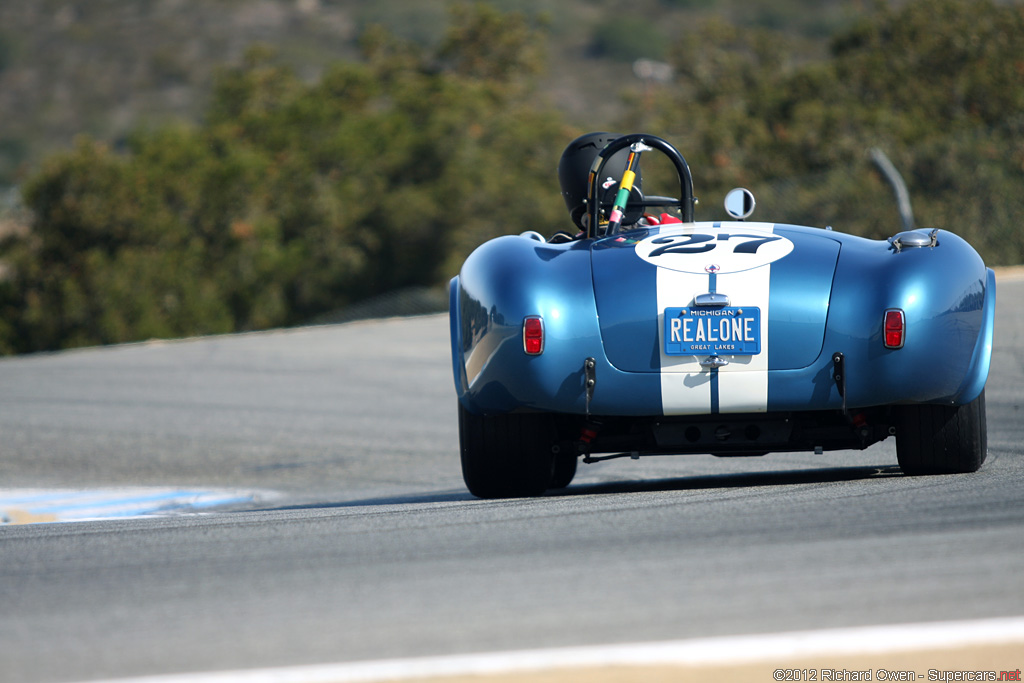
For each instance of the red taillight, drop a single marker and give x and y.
(533, 335)
(895, 329)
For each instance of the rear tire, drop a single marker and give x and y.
(934, 439)
(565, 470)
(506, 456)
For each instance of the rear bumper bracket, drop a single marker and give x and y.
(589, 380)
(839, 375)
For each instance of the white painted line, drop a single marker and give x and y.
(29, 506)
(726, 650)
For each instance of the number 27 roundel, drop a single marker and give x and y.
(730, 249)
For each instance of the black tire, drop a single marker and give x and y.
(506, 456)
(565, 470)
(933, 439)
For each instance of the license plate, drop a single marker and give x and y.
(729, 330)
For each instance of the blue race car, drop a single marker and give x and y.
(650, 334)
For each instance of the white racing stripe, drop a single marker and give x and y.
(685, 386)
(28, 506)
(727, 651)
(741, 386)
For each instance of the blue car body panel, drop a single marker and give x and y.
(605, 298)
(624, 284)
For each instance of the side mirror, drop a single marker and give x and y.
(739, 203)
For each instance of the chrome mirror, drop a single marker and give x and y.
(739, 203)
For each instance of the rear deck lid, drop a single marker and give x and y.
(753, 292)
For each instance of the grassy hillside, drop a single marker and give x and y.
(107, 67)
(221, 186)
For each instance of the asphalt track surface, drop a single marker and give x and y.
(359, 541)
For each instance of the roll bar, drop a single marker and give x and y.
(685, 201)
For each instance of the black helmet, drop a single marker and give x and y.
(574, 173)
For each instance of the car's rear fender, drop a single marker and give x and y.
(981, 359)
(501, 283)
(947, 296)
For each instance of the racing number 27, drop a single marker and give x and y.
(699, 243)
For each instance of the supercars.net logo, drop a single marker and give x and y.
(892, 675)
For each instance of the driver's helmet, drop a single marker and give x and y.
(574, 173)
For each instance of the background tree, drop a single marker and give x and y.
(295, 196)
(292, 198)
(937, 84)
